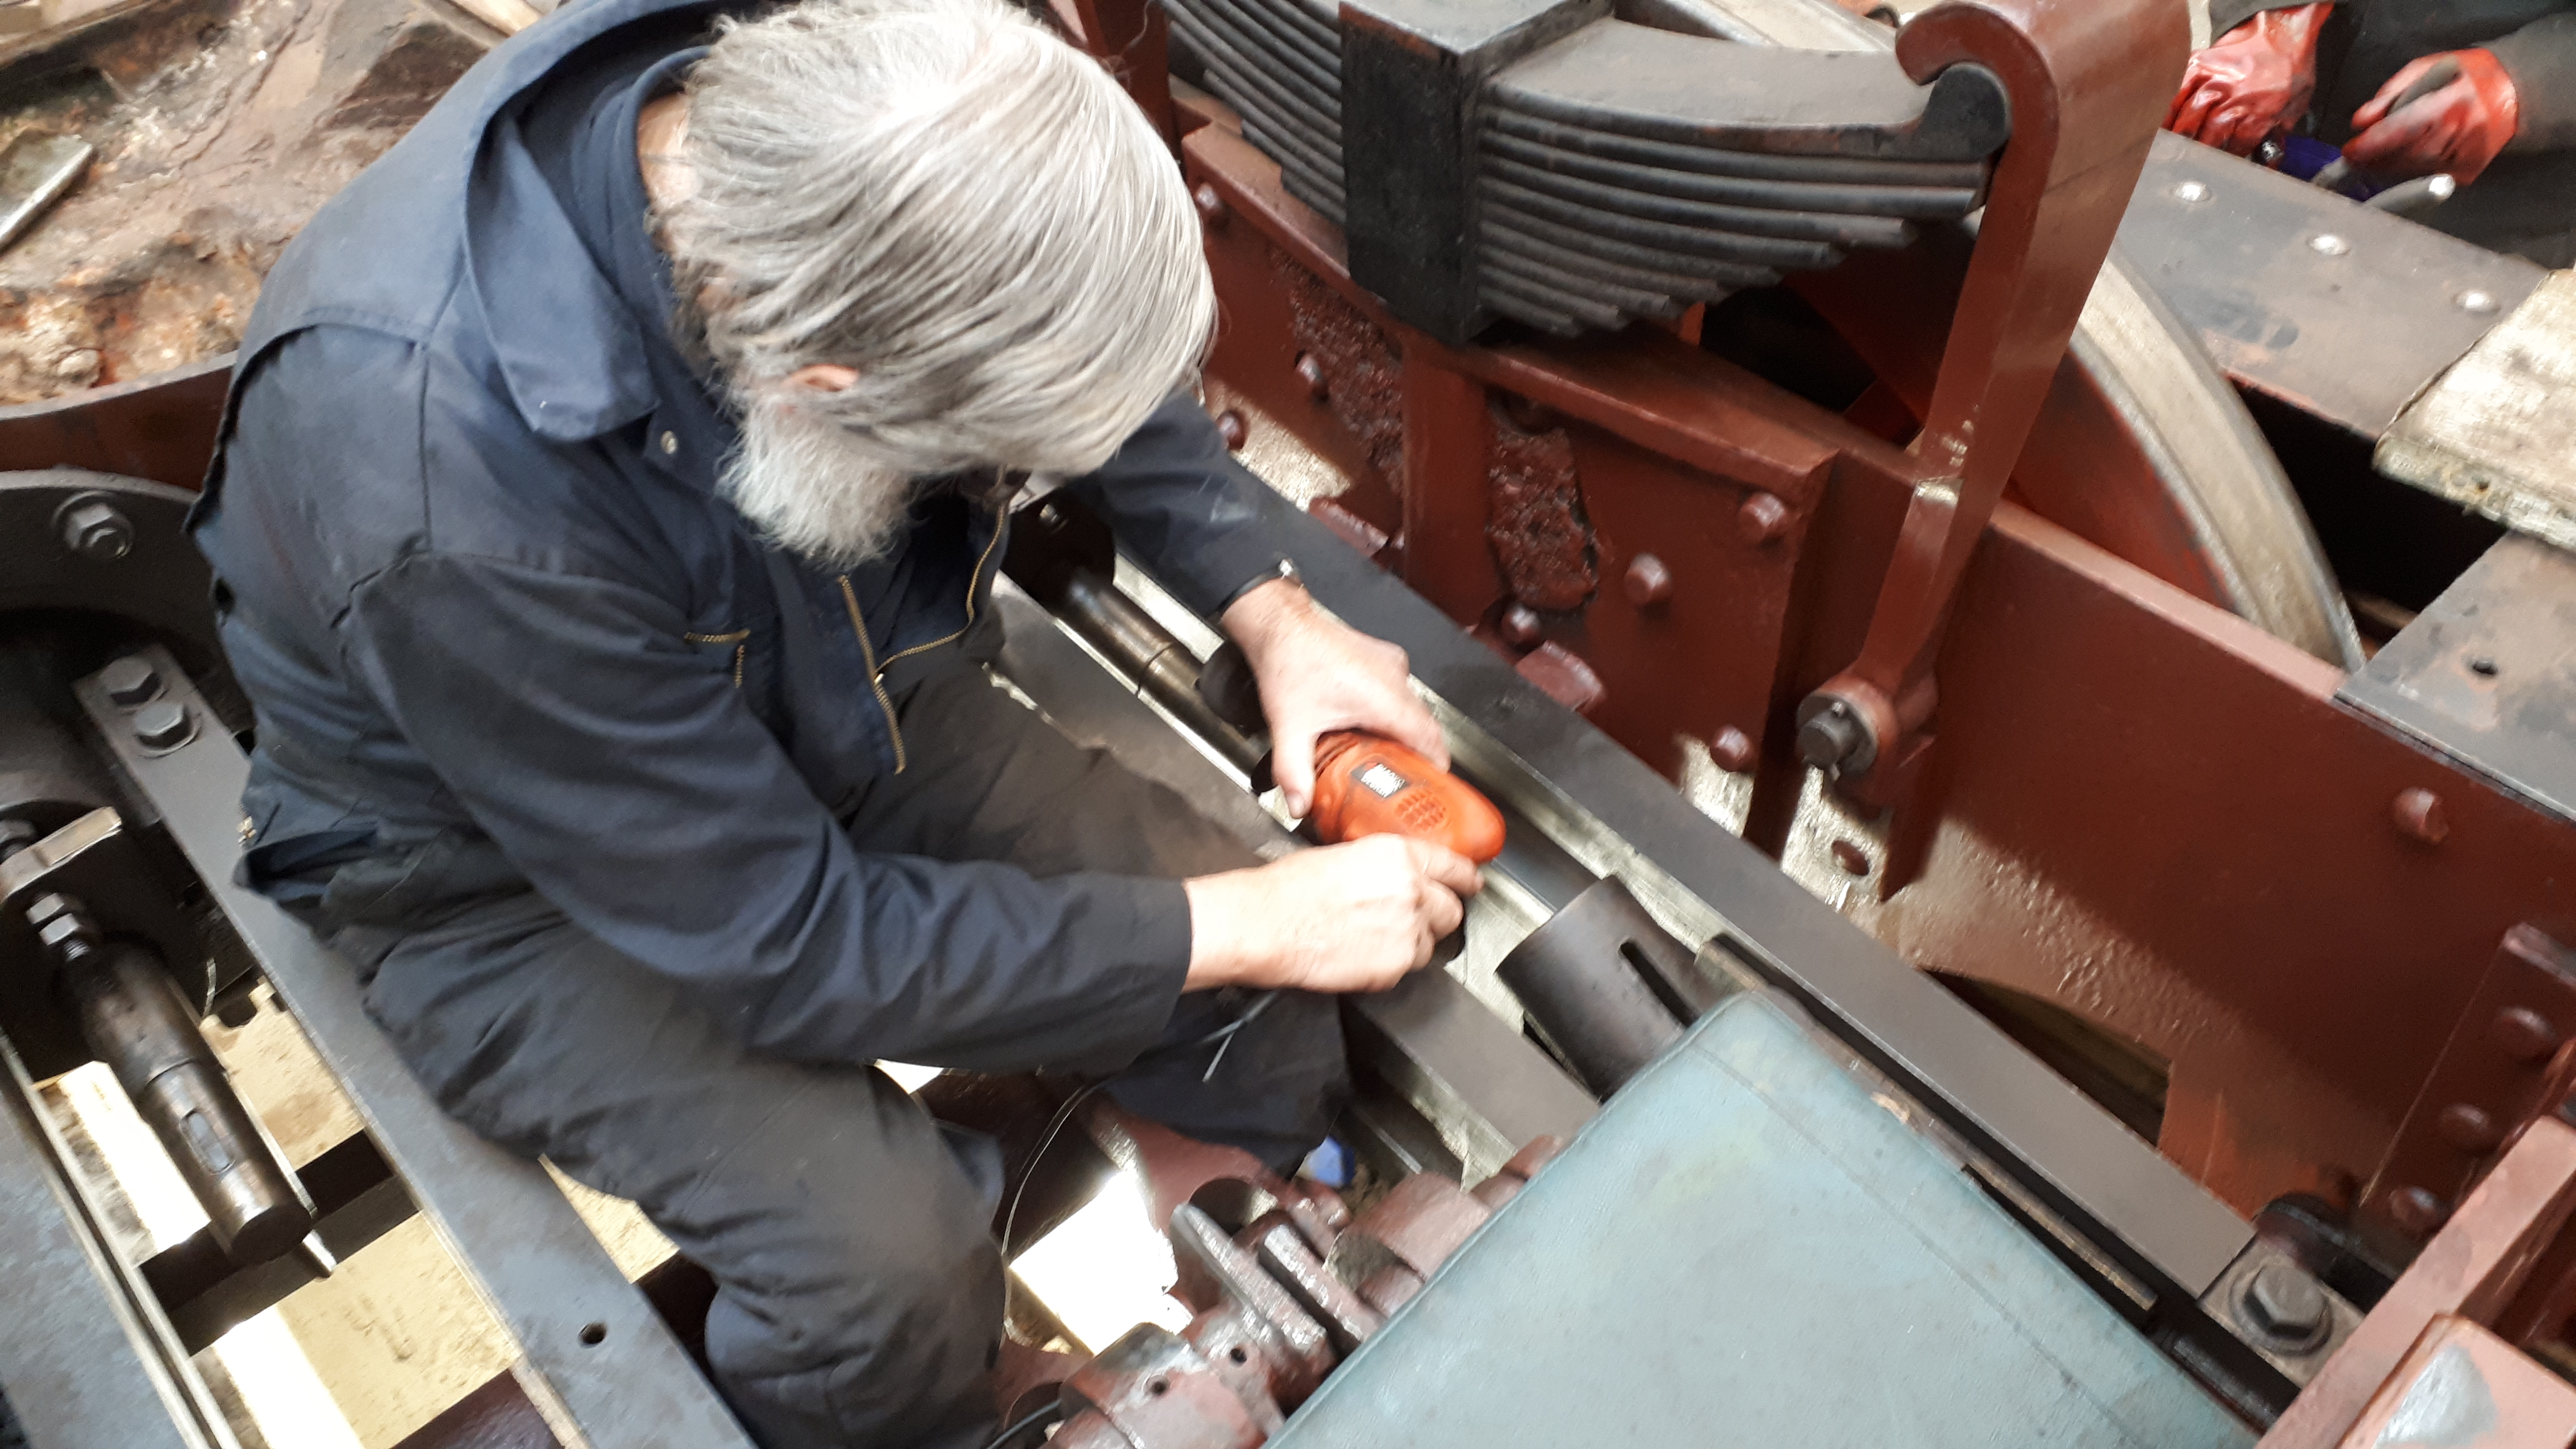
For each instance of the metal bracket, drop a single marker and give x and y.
(594, 1357)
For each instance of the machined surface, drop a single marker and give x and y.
(1741, 1235)
(2497, 435)
(594, 1355)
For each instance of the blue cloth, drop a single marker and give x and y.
(477, 580)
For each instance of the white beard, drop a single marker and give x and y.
(813, 488)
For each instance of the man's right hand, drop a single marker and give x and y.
(2254, 84)
(1352, 917)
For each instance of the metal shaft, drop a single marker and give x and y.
(1147, 653)
(135, 1020)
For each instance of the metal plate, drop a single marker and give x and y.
(2488, 672)
(1744, 1247)
(2351, 335)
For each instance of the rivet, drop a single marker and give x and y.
(1211, 206)
(1519, 626)
(2419, 813)
(2191, 191)
(2417, 1211)
(1853, 859)
(1649, 583)
(1762, 519)
(2475, 301)
(1311, 373)
(1732, 749)
(2484, 666)
(2327, 244)
(130, 681)
(2469, 1128)
(2524, 1034)
(1231, 426)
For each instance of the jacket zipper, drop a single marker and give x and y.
(868, 653)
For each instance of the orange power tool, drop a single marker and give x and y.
(1367, 784)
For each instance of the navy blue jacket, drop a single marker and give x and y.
(478, 582)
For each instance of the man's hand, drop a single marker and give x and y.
(1318, 674)
(2254, 84)
(2454, 127)
(1351, 917)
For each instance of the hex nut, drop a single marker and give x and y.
(97, 530)
(164, 724)
(130, 680)
(2285, 1305)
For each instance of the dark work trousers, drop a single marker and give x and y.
(859, 1293)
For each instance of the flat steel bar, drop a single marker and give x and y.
(594, 1354)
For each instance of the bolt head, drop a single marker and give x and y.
(1310, 371)
(2285, 1305)
(98, 531)
(130, 681)
(164, 724)
(2417, 1210)
(2191, 191)
(2524, 1034)
(1649, 582)
(2419, 814)
(1762, 519)
(2327, 244)
(1231, 426)
(1212, 210)
(1732, 749)
(2470, 1128)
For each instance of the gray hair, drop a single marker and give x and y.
(945, 197)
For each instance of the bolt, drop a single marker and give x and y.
(2524, 1034)
(98, 531)
(2419, 813)
(130, 681)
(2467, 1127)
(1649, 583)
(2284, 1304)
(62, 925)
(2191, 191)
(1231, 426)
(1211, 206)
(1853, 859)
(1311, 373)
(2327, 244)
(1834, 736)
(1519, 626)
(2417, 1211)
(2476, 302)
(1732, 749)
(1762, 519)
(164, 724)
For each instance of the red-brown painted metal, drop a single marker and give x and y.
(2085, 88)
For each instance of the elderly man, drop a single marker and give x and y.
(606, 522)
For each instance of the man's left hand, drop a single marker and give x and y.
(2456, 127)
(1318, 674)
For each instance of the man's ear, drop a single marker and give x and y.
(823, 377)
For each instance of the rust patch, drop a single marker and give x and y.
(1363, 372)
(1534, 519)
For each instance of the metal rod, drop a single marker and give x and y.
(1160, 665)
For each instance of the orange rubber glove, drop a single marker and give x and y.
(2456, 128)
(2254, 84)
